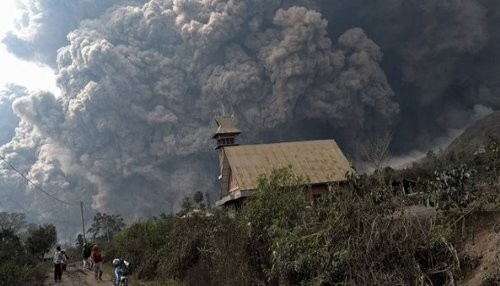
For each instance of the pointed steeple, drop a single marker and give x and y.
(226, 132)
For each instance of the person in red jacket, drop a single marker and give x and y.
(97, 259)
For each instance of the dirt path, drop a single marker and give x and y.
(76, 276)
(486, 248)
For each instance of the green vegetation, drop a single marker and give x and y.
(105, 227)
(40, 240)
(366, 233)
(375, 230)
(21, 259)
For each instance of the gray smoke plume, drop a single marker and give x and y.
(439, 58)
(42, 25)
(142, 80)
(139, 102)
(9, 120)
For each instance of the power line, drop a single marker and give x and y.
(49, 195)
(44, 216)
(35, 185)
(39, 214)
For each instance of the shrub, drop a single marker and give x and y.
(16, 267)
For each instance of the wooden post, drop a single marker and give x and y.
(83, 223)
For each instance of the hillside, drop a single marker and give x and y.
(476, 135)
(481, 246)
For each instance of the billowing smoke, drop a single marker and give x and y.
(440, 58)
(142, 80)
(9, 120)
(43, 25)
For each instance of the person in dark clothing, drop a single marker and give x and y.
(87, 249)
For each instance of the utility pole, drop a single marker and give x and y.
(107, 227)
(83, 223)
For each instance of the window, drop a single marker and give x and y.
(226, 141)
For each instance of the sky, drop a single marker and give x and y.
(129, 131)
(14, 70)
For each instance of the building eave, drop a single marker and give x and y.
(234, 196)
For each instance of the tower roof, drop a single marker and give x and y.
(225, 125)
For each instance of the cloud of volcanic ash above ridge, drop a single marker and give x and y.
(141, 82)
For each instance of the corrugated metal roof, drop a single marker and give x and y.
(321, 161)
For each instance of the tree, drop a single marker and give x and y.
(16, 266)
(79, 242)
(41, 239)
(278, 200)
(105, 226)
(270, 218)
(375, 152)
(198, 199)
(10, 245)
(13, 221)
(193, 205)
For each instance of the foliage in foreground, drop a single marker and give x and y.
(347, 239)
(359, 234)
(191, 249)
(19, 264)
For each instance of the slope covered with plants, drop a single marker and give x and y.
(369, 233)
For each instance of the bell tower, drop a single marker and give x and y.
(226, 132)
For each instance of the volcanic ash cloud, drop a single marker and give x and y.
(142, 83)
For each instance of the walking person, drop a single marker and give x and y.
(96, 257)
(84, 257)
(59, 259)
(87, 249)
(65, 259)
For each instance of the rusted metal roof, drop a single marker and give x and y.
(226, 125)
(320, 161)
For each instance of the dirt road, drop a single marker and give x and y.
(76, 276)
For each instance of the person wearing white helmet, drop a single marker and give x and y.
(120, 269)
